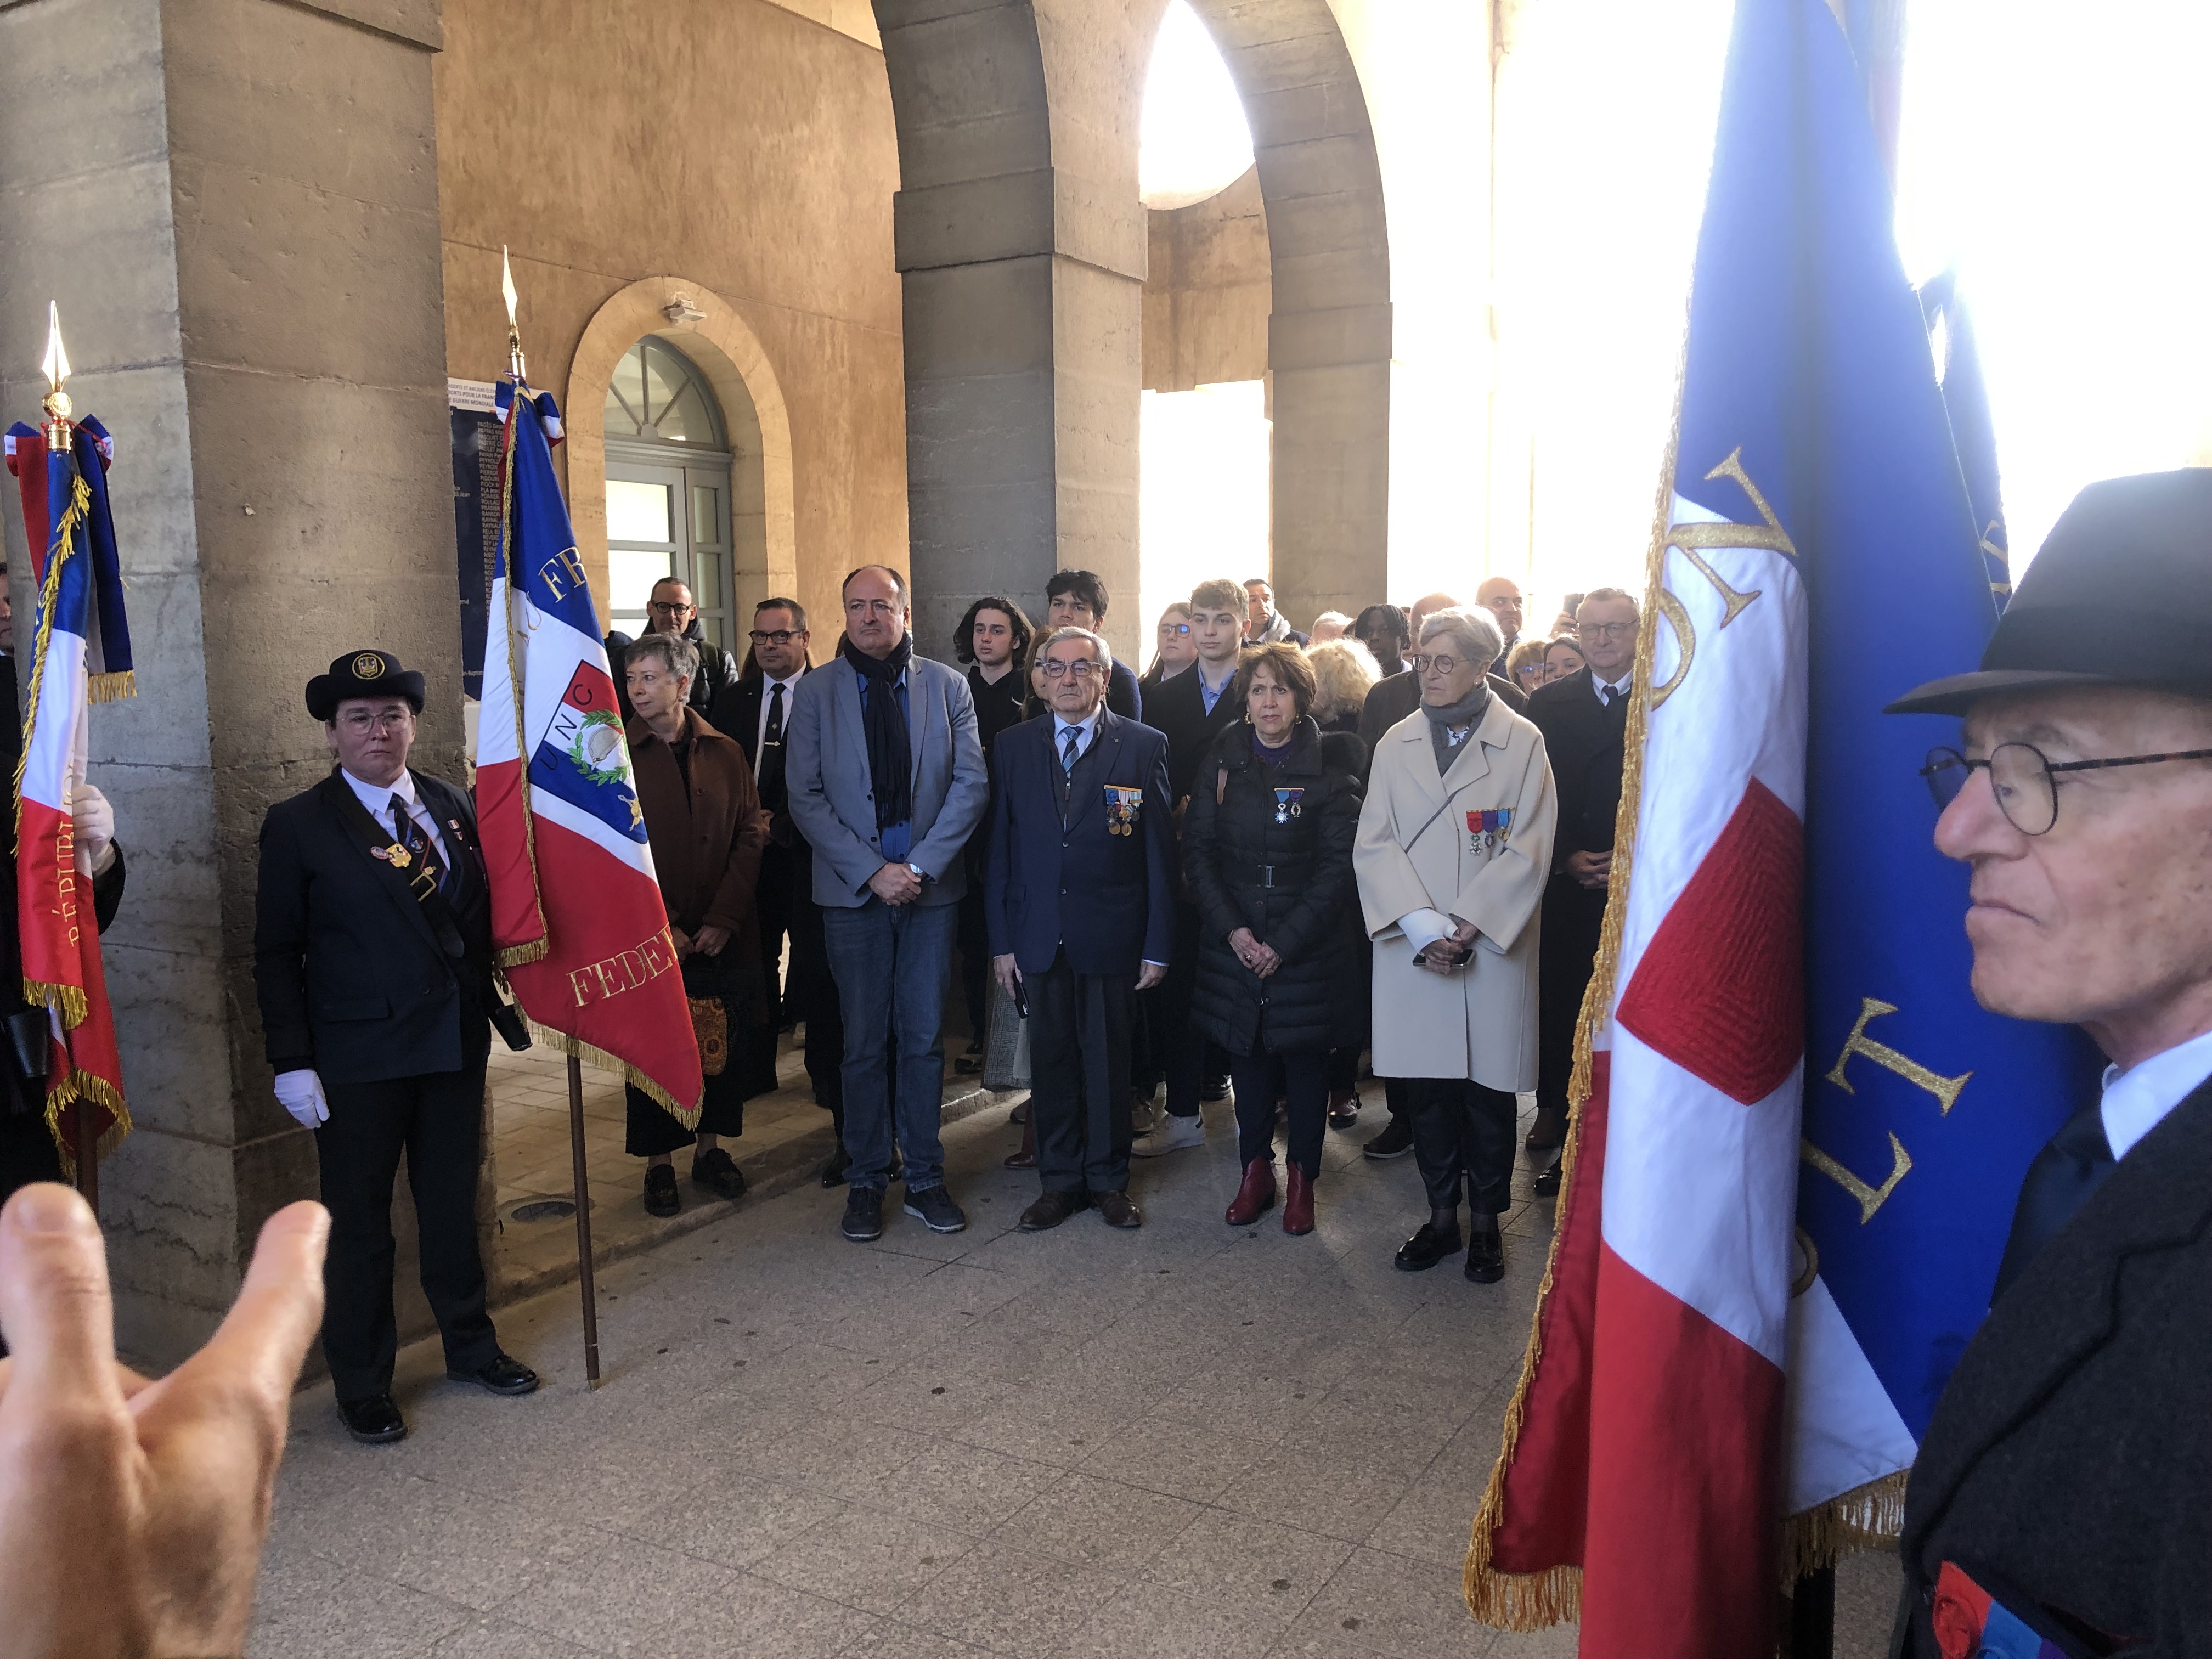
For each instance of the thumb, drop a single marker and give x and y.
(265, 1335)
(55, 1308)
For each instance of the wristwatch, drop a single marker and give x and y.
(918, 872)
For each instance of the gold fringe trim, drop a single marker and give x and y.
(606, 1062)
(1526, 1602)
(83, 1090)
(66, 1000)
(521, 956)
(80, 504)
(1869, 1518)
(111, 688)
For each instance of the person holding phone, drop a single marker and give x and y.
(1454, 848)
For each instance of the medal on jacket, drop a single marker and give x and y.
(1122, 804)
(1286, 805)
(1487, 831)
(399, 856)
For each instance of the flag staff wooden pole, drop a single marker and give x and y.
(581, 1172)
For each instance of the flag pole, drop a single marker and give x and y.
(59, 431)
(581, 1173)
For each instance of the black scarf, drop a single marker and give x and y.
(891, 761)
(1467, 712)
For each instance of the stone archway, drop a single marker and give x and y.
(729, 354)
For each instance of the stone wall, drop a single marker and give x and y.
(1208, 290)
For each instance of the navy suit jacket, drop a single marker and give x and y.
(1108, 898)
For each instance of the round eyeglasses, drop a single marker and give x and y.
(2022, 778)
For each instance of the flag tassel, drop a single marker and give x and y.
(1867, 1517)
(576, 1049)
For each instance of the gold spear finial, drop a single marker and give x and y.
(514, 334)
(56, 367)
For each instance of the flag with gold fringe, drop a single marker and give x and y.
(1789, 1174)
(81, 655)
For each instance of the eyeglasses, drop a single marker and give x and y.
(1604, 630)
(1177, 629)
(1055, 669)
(2021, 776)
(777, 636)
(663, 608)
(1442, 664)
(361, 722)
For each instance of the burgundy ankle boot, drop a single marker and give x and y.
(1298, 1203)
(1257, 1196)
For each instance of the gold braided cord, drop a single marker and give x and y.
(1523, 1602)
(521, 956)
(1869, 1518)
(605, 1061)
(85, 1091)
(49, 587)
(516, 956)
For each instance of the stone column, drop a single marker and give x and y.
(1022, 246)
(235, 202)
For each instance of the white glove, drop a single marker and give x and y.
(95, 829)
(300, 1093)
(1423, 928)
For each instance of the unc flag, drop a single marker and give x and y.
(577, 915)
(1789, 1183)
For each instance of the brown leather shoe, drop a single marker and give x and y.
(1297, 1204)
(1050, 1210)
(1026, 1157)
(1116, 1210)
(1548, 1131)
(1256, 1196)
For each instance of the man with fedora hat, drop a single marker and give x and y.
(372, 958)
(2065, 1481)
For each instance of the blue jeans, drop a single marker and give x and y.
(890, 962)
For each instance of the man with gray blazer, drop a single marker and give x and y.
(886, 782)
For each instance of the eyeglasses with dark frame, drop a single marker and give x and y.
(2022, 778)
(778, 636)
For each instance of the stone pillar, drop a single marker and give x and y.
(1021, 243)
(235, 202)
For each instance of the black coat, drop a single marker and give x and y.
(351, 978)
(737, 713)
(1584, 739)
(1287, 876)
(1176, 709)
(2069, 1460)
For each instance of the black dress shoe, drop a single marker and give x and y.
(1486, 1257)
(1546, 1185)
(719, 1173)
(1116, 1210)
(661, 1197)
(372, 1420)
(1427, 1247)
(505, 1375)
(1213, 1088)
(833, 1172)
(1050, 1210)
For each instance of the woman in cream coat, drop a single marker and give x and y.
(1455, 845)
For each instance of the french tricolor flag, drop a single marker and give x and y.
(82, 655)
(577, 917)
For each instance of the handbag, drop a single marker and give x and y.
(710, 1025)
(1006, 1048)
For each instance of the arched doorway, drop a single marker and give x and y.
(669, 474)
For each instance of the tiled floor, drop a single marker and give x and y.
(1188, 1440)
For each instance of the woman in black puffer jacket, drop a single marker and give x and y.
(1274, 807)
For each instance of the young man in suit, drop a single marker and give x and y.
(1077, 898)
(1190, 711)
(373, 963)
(756, 710)
(1077, 599)
(886, 783)
(1584, 718)
(2066, 1470)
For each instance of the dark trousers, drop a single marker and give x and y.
(973, 940)
(1574, 916)
(28, 1152)
(1301, 1077)
(437, 1120)
(1185, 1057)
(785, 898)
(1079, 1077)
(651, 1128)
(1462, 1137)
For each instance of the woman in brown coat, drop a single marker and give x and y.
(702, 817)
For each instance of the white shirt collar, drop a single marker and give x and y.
(768, 682)
(1088, 725)
(378, 798)
(2137, 1100)
(1618, 687)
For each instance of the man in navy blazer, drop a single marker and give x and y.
(1078, 897)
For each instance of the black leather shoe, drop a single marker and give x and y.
(1546, 1185)
(1116, 1210)
(1395, 1141)
(661, 1197)
(1486, 1257)
(1050, 1210)
(373, 1421)
(719, 1173)
(505, 1375)
(1213, 1088)
(864, 1215)
(1427, 1247)
(833, 1172)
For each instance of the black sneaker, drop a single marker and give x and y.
(718, 1171)
(1395, 1141)
(864, 1215)
(660, 1194)
(1213, 1088)
(933, 1208)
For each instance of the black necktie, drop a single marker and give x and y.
(771, 751)
(1068, 738)
(2072, 1164)
(418, 844)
